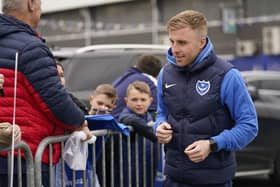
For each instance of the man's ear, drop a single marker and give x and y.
(31, 5)
(203, 42)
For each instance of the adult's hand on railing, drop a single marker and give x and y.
(6, 131)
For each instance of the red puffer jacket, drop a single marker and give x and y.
(43, 107)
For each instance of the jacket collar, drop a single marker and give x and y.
(9, 25)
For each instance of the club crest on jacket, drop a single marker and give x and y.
(202, 87)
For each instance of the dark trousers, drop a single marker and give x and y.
(169, 182)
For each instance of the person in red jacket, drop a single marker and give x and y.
(43, 106)
(6, 129)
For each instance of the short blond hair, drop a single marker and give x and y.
(188, 18)
(108, 90)
(141, 86)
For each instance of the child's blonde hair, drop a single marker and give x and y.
(108, 90)
(140, 86)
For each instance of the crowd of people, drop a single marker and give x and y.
(197, 105)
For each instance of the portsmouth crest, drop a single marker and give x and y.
(202, 87)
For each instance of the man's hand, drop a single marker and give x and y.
(198, 151)
(17, 133)
(6, 131)
(164, 133)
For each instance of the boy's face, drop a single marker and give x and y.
(101, 104)
(137, 101)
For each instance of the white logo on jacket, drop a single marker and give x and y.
(202, 87)
(169, 85)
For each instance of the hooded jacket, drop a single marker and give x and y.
(43, 107)
(139, 123)
(121, 84)
(137, 145)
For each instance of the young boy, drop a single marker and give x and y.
(138, 99)
(103, 99)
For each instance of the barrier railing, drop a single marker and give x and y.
(127, 155)
(122, 160)
(29, 164)
(47, 142)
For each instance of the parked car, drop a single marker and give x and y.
(262, 156)
(87, 67)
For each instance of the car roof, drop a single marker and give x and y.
(109, 62)
(122, 47)
(64, 53)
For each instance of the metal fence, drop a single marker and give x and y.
(116, 161)
(29, 164)
(122, 161)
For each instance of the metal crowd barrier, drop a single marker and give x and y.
(111, 156)
(28, 164)
(47, 143)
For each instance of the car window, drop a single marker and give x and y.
(86, 71)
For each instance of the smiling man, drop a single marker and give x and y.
(204, 109)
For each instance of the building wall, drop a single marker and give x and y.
(131, 22)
